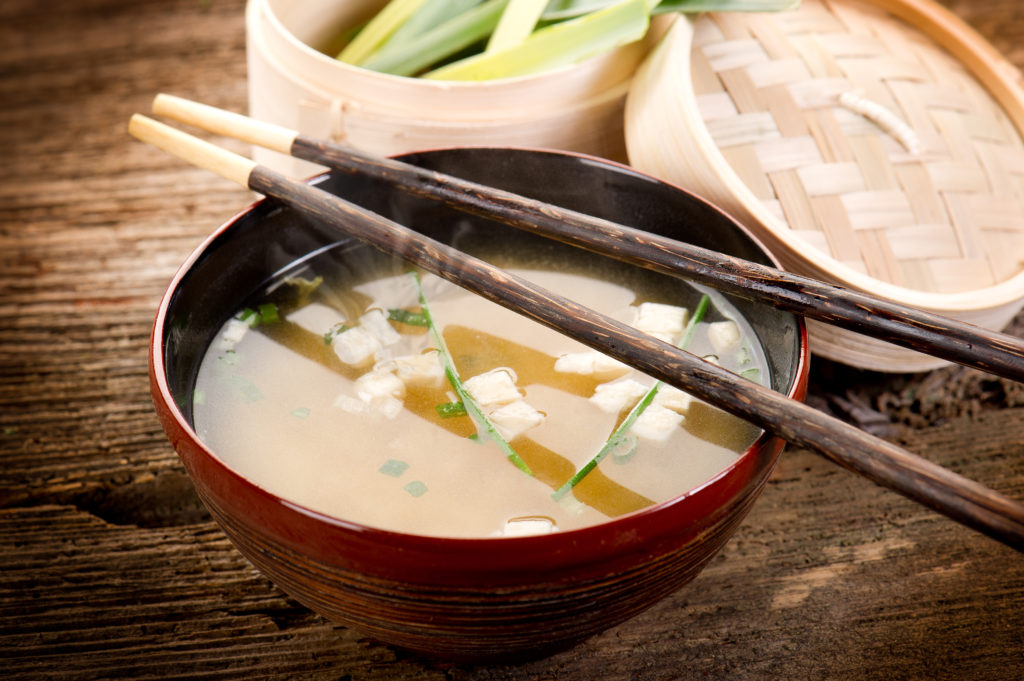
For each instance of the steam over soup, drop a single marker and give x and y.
(342, 400)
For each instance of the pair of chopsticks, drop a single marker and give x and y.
(959, 498)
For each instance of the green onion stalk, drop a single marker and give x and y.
(620, 439)
(471, 406)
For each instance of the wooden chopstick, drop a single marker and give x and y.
(953, 495)
(949, 339)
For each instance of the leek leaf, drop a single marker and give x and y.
(564, 9)
(556, 45)
(516, 24)
(377, 30)
(440, 42)
(558, 10)
(694, 6)
(430, 15)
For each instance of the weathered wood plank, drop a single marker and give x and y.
(110, 568)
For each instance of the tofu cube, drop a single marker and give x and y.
(316, 318)
(656, 423)
(389, 407)
(673, 398)
(662, 321)
(587, 363)
(422, 369)
(493, 388)
(379, 327)
(355, 346)
(524, 527)
(515, 418)
(724, 336)
(376, 387)
(616, 396)
(352, 405)
(234, 331)
(603, 364)
(575, 363)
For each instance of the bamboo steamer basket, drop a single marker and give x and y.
(295, 84)
(910, 187)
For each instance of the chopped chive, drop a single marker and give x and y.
(333, 332)
(247, 388)
(472, 408)
(619, 436)
(249, 316)
(623, 448)
(451, 409)
(393, 468)
(264, 314)
(269, 314)
(416, 488)
(301, 412)
(753, 374)
(406, 317)
(198, 396)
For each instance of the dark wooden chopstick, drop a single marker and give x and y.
(932, 334)
(953, 495)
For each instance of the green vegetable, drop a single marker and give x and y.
(451, 409)
(694, 6)
(249, 316)
(558, 10)
(753, 374)
(472, 408)
(556, 45)
(266, 313)
(439, 43)
(333, 332)
(619, 439)
(416, 488)
(506, 38)
(516, 24)
(430, 15)
(406, 317)
(378, 29)
(394, 468)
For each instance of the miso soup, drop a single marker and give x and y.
(331, 389)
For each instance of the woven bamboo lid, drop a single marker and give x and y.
(877, 145)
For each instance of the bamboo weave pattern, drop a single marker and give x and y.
(945, 217)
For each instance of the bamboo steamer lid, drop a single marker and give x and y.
(295, 83)
(875, 144)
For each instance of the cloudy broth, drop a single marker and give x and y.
(337, 399)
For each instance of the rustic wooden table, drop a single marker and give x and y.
(110, 568)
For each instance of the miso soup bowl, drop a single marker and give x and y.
(466, 600)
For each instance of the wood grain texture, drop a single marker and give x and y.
(109, 567)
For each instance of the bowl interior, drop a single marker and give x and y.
(267, 240)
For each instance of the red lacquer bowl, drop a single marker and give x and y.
(469, 600)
